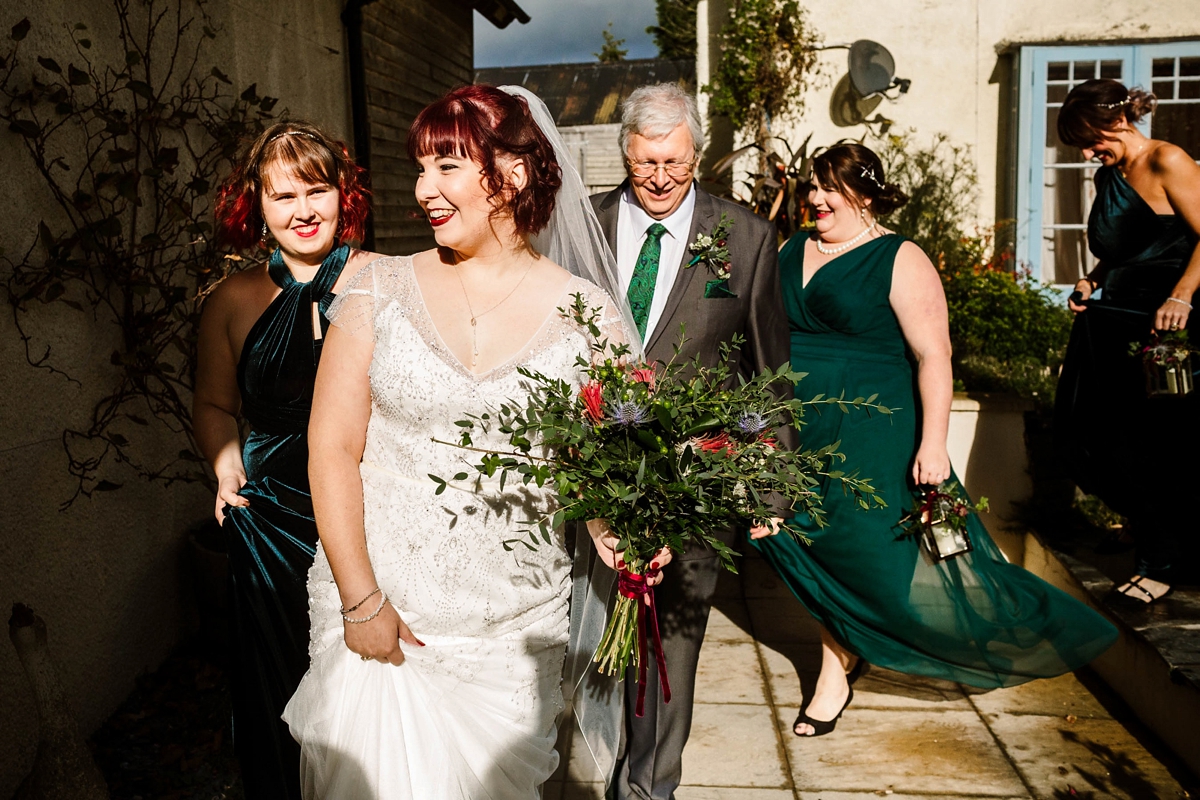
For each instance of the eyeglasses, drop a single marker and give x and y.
(648, 169)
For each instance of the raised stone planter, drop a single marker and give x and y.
(987, 448)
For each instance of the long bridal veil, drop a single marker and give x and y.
(575, 241)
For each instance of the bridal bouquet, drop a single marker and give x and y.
(665, 457)
(1167, 362)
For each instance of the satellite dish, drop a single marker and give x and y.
(872, 67)
(847, 107)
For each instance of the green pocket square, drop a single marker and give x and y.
(717, 289)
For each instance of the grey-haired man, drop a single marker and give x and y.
(649, 221)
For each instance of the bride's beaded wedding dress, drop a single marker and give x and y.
(471, 714)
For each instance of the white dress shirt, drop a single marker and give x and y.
(632, 224)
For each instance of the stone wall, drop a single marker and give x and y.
(109, 575)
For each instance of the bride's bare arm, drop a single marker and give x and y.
(337, 434)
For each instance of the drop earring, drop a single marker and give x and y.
(264, 231)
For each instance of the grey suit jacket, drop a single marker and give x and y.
(757, 312)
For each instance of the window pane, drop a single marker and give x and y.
(1164, 90)
(1189, 66)
(1058, 71)
(1068, 196)
(1065, 257)
(1178, 124)
(1084, 70)
(1163, 67)
(1056, 92)
(1110, 69)
(1189, 90)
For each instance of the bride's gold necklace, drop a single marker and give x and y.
(475, 317)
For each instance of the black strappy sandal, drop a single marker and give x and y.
(820, 727)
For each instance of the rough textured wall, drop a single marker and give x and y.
(950, 51)
(414, 52)
(110, 575)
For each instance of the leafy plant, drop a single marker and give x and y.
(1009, 332)
(611, 51)
(675, 33)
(128, 153)
(768, 61)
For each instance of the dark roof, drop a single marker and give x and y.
(589, 94)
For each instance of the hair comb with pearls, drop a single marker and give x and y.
(1128, 99)
(869, 172)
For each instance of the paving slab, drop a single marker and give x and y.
(783, 621)
(1053, 697)
(582, 791)
(729, 793)
(892, 795)
(1089, 755)
(729, 672)
(920, 752)
(729, 622)
(733, 745)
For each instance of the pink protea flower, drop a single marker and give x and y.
(592, 395)
(644, 375)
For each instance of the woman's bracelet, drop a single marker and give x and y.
(369, 617)
(1181, 302)
(355, 607)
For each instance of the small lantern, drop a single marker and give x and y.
(943, 541)
(1164, 380)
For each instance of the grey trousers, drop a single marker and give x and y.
(652, 766)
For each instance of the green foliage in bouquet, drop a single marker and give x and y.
(665, 457)
(1164, 348)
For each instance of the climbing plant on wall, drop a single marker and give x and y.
(768, 62)
(129, 151)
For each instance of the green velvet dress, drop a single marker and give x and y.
(975, 618)
(273, 540)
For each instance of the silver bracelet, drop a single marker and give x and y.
(356, 606)
(369, 617)
(1181, 302)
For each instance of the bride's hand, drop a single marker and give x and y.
(931, 466)
(379, 639)
(606, 546)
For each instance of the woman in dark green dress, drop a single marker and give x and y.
(1143, 228)
(260, 340)
(865, 307)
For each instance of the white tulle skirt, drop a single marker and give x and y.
(373, 731)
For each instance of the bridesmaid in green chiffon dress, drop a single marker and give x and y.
(260, 342)
(1144, 230)
(864, 306)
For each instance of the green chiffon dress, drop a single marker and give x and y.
(975, 618)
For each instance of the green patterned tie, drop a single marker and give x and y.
(645, 274)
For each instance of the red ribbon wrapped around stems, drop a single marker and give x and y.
(634, 587)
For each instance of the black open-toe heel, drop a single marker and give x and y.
(820, 727)
(859, 670)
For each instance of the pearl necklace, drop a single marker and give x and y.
(832, 251)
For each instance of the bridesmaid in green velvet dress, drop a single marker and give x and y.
(1144, 229)
(865, 307)
(260, 340)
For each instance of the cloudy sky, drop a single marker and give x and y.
(565, 31)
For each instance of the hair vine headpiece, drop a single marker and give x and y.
(1128, 99)
(293, 133)
(869, 172)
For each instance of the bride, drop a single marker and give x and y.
(437, 655)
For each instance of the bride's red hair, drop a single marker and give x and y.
(488, 125)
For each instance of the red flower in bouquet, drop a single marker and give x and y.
(644, 375)
(713, 442)
(592, 395)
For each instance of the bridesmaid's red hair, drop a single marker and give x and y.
(305, 151)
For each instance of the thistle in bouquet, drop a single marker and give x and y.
(1165, 349)
(665, 455)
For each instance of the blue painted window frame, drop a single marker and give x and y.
(1033, 60)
